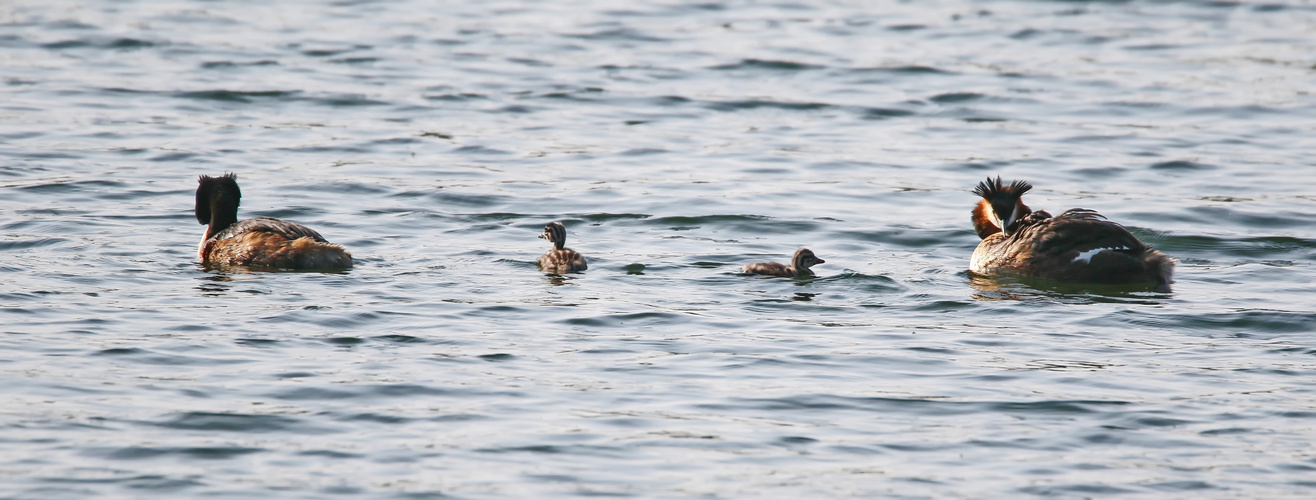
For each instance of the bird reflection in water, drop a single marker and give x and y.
(214, 285)
(559, 280)
(993, 288)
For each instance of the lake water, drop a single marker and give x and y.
(677, 141)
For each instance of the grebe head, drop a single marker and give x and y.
(1005, 202)
(217, 201)
(556, 233)
(804, 259)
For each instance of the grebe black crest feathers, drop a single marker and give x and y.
(994, 188)
(560, 259)
(799, 267)
(258, 242)
(1001, 206)
(1078, 245)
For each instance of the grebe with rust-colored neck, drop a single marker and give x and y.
(560, 259)
(800, 264)
(1078, 246)
(262, 242)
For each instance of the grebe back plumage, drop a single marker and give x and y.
(800, 264)
(260, 241)
(1078, 245)
(560, 259)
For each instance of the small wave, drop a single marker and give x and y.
(69, 25)
(670, 100)
(325, 52)
(191, 453)
(1183, 165)
(534, 63)
(644, 152)
(905, 70)
(630, 319)
(327, 149)
(1263, 247)
(11, 245)
(927, 407)
(447, 198)
(236, 95)
(148, 357)
(883, 113)
(761, 64)
(20, 135)
(744, 104)
(234, 422)
(583, 450)
(684, 220)
(101, 43)
(50, 155)
(1152, 46)
(1236, 112)
(622, 34)
(608, 217)
(955, 97)
(73, 186)
(354, 392)
(580, 96)
(173, 156)
(1244, 322)
(462, 97)
(872, 281)
(354, 60)
(342, 187)
(515, 108)
(347, 100)
(231, 64)
(1074, 490)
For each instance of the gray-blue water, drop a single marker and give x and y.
(677, 141)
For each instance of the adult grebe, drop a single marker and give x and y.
(800, 264)
(258, 242)
(559, 259)
(1077, 246)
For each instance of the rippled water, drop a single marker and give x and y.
(677, 141)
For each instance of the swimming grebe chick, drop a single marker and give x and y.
(259, 242)
(1078, 246)
(559, 259)
(800, 264)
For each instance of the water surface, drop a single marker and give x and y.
(677, 141)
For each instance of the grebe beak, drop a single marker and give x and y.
(1009, 221)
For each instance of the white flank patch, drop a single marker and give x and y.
(1087, 256)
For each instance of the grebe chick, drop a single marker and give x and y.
(1078, 246)
(800, 264)
(559, 259)
(258, 242)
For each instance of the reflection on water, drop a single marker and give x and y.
(991, 288)
(214, 284)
